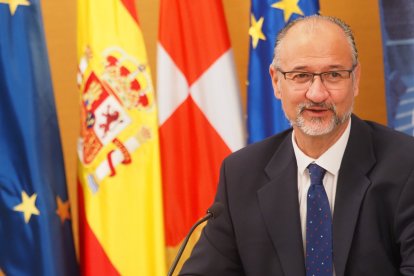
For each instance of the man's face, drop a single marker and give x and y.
(316, 109)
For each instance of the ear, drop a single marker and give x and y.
(357, 77)
(274, 77)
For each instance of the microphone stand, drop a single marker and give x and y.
(183, 245)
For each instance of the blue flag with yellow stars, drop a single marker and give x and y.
(265, 116)
(35, 227)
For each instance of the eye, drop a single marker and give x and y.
(334, 75)
(301, 76)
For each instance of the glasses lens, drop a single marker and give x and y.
(335, 79)
(301, 77)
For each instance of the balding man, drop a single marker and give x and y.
(333, 195)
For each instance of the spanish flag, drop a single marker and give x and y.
(120, 205)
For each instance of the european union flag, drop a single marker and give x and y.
(35, 228)
(265, 116)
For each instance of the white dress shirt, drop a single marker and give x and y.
(331, 162)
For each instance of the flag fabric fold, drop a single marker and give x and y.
(120, 197)
(200, 113)
(35, 225)
(265, 116)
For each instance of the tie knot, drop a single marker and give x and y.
(316, 174)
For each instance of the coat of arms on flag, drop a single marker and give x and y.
(109, 96)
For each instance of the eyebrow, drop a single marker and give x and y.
(330, 67)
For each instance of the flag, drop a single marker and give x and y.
(397, 26)
(265, 116)
(35, 225)
(120, 197)
(200, 112)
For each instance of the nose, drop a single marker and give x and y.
(317, 91)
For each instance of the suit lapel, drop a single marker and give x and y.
(280, 208)
(352, 184)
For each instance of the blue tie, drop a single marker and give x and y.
(318, 226)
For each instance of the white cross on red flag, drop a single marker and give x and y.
(199, 104)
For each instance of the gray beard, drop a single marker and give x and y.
(316, 127)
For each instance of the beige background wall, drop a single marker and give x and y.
(60, 26)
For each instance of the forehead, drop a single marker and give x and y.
(315, 43)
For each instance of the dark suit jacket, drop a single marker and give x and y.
(259, 231)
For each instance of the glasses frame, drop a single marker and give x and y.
(349, 71)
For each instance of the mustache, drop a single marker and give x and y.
(303, 106)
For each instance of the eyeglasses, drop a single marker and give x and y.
(331, 79)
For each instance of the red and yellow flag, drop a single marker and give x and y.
(120, 197)
(200, 111)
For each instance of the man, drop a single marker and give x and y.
(364, 180)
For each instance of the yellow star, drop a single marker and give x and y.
(289, 7)
(13, 4)
(62, 209)
(27, 206)
(255, 30)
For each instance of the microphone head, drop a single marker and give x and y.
(215, 209)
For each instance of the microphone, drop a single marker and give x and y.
(213, 212)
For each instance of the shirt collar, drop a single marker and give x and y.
(330, 160)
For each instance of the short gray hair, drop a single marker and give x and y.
(345, 28)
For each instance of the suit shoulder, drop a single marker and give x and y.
(387, 135)
(388, 141)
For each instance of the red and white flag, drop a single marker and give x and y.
(200, 112)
